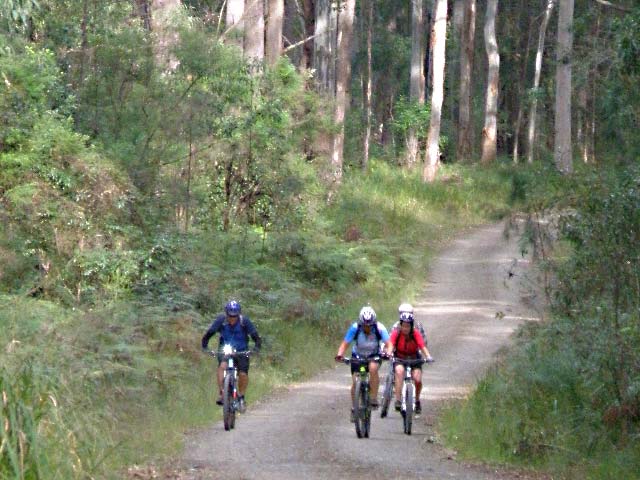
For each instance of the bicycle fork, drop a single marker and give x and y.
(407, 384)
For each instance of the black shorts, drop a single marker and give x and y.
(355, 368)
(414, 367)
(241, 362)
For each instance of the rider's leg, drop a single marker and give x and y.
(374, 379)
(243, 381)
(399, 379)
(416, 373)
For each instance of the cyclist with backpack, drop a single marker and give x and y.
(235, 330)
(407, 343)
(366, 333)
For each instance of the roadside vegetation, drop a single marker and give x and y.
(566, 398)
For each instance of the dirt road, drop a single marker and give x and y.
(472, 303)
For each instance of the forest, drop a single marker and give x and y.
(158, 157)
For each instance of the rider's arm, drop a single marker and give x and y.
(342, 348)
(422, 345)
(213, 329)
(253, 333)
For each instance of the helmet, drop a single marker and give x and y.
(367, 316)
(405, 307)
(232, 308)
(406, 317)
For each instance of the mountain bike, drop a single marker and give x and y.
(361, 397)
(230, 401)
(408, 391)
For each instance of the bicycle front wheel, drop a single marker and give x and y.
(365, 408)
(358, 411)
(387, 393)
(228, 411)
(408, 413)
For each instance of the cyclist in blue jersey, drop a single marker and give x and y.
(235, 330)
(366, 333)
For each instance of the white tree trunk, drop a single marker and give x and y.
(368, 85)
(467, 45)
(416, 85)
(165, 35)
(563, 154)
(275, 21)
(324, 45)
(439, 38)
(234, 22)
(531, 136)
(490, 130)
(343, 78)
(254, 33)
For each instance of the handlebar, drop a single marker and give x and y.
(244, 353)
(363, 361)
(415, 362)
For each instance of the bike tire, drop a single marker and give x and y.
(365, 409)
(387, 393)
(358, 414)
(228, 414)
(408, 414)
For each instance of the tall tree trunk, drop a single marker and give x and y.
(254, 33)
(143, 11)
(325, 45)
(343, 78)
(439, 38)
(275, 21)
(234, 22)
(520, 90)
(531, 136)
(467, 46)
(165, 34)
(416, 85)
(563, 154)
(490, 130)
(368, 85)
(308, 13)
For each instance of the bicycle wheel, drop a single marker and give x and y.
(408, 414)
(387, 393)
(365, 408)
(358, 413)
(228, 413)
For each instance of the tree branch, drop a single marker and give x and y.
(620, 8)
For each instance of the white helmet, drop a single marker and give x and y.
(405, 307)
(367, 316)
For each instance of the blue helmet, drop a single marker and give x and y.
(232, 308)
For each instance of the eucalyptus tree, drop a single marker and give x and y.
(343, 79)
(234, 22)
(416, 85)
(563, 153)
(467, 48)
(439, 36)
(324, 45)
(489, 132)
(163, 28)
(368, 84)
(273, 38)
(536, 80)
(254, 32)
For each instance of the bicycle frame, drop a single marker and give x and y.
(408, 392)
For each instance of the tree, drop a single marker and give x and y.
(164, 32)
(368, 84)
(536, 81)
(254, 33)
(324, 45)
(234, 22)
(467, 46)
(563, 155)
(275, 21)
(489, 132)
(416, 85)
(439, 38)
(343, 78)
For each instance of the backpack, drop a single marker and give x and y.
(375, 330)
